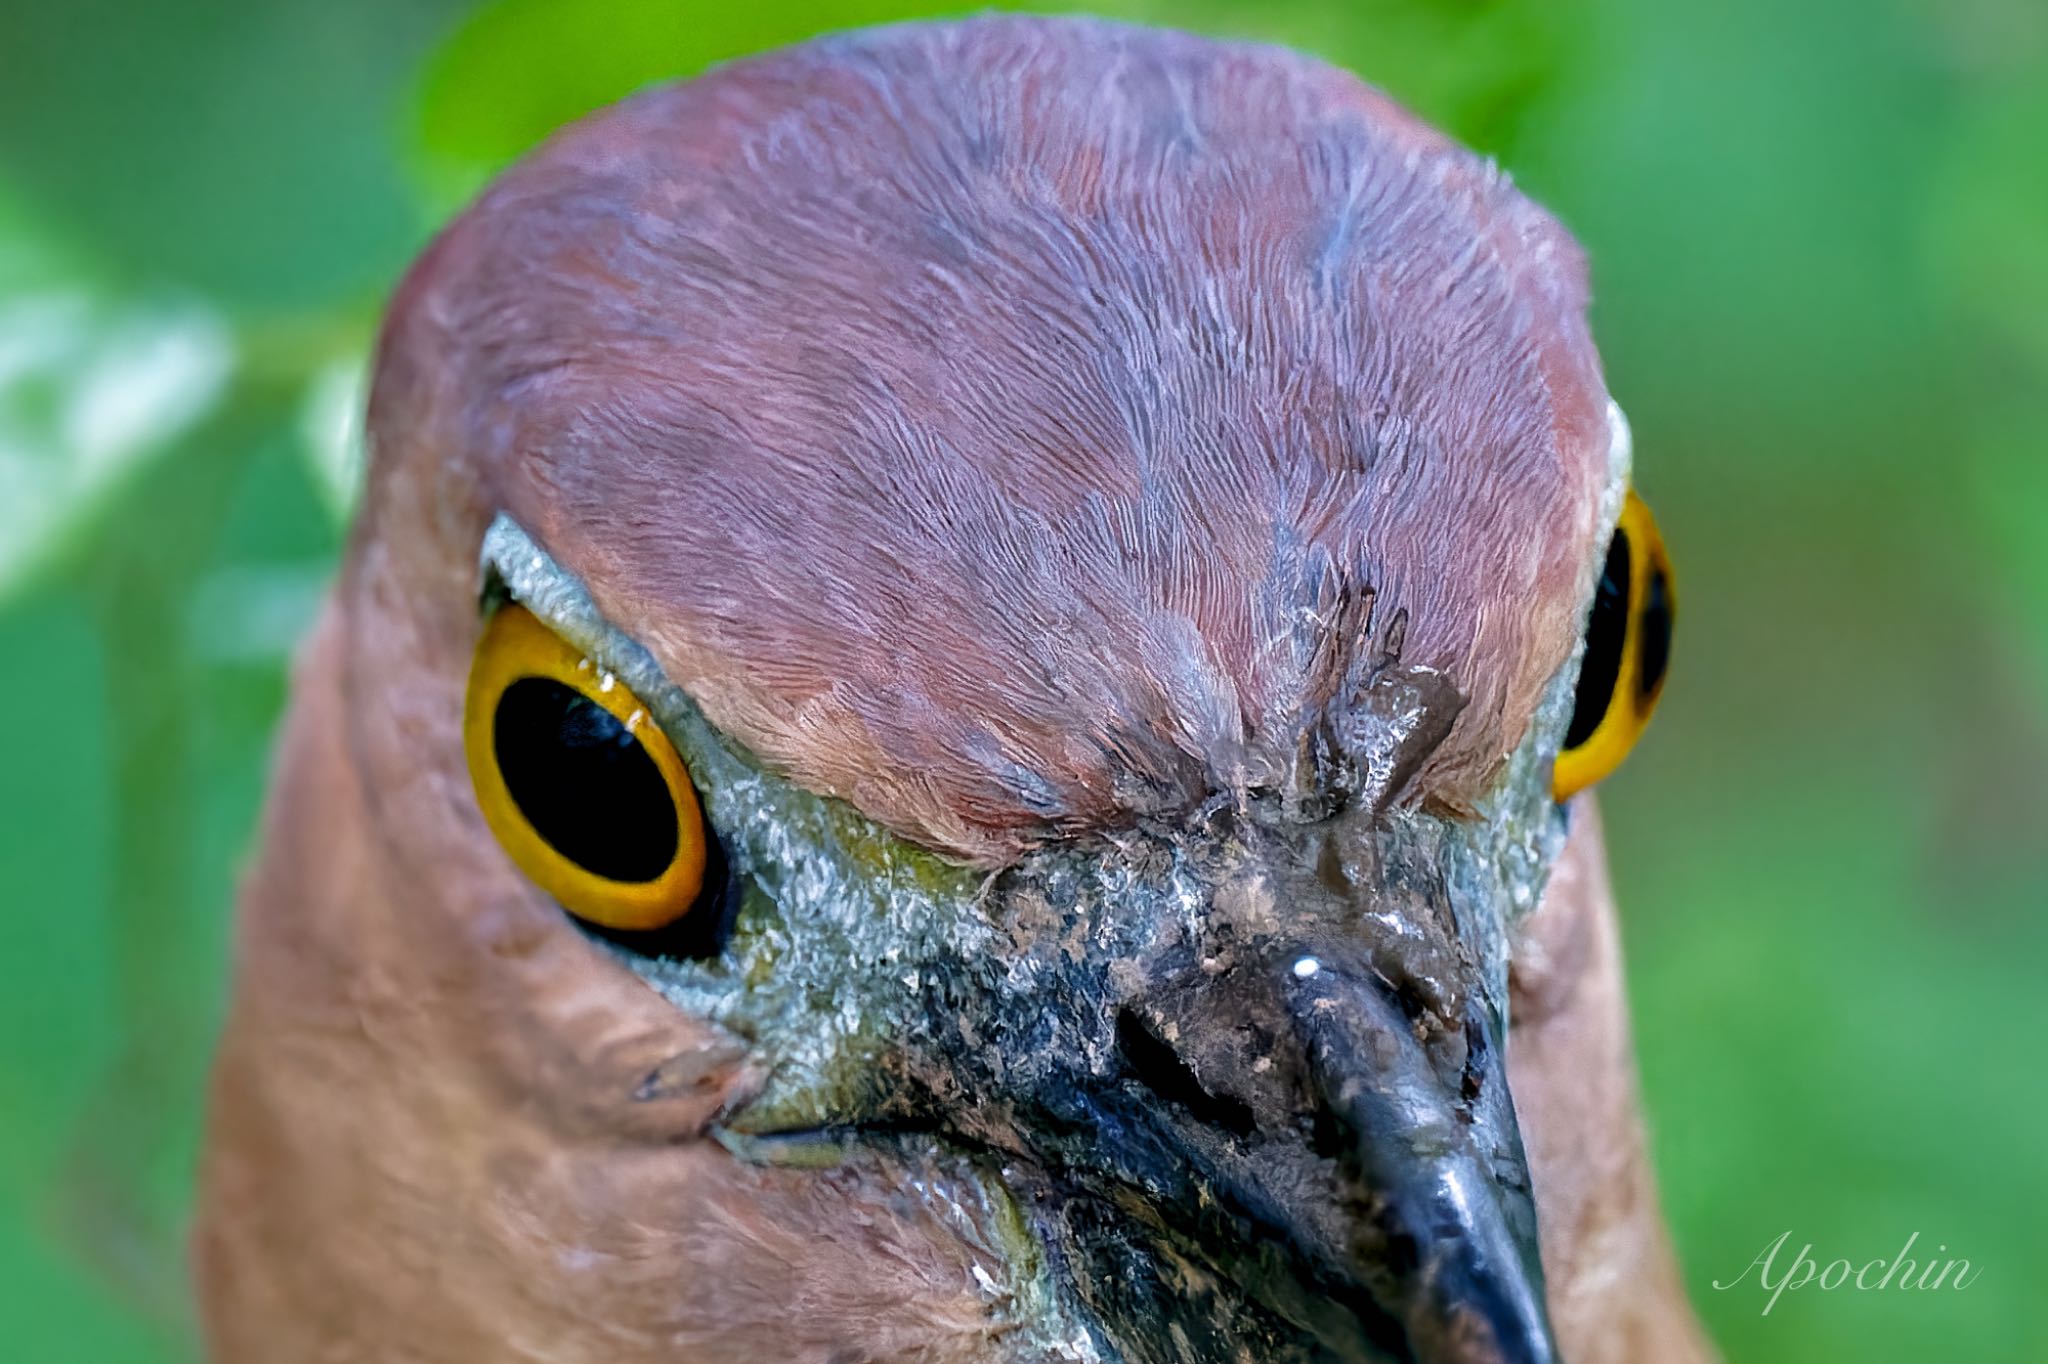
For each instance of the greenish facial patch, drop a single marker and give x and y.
(959, 1025)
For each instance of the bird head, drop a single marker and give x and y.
(1030, 580)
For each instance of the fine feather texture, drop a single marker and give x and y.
(1013, 426)
(434, 1136)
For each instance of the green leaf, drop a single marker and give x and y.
(234, 147)
(93, 389)
(1989, 216)
(520, 69)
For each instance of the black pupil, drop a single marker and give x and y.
(583, 781)
(1606, 636)
(1656, 636)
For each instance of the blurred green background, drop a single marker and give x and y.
(1819, 231)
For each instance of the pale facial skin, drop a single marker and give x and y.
(1132, 796)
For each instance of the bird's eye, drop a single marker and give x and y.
(1628, 646)
(577, 780)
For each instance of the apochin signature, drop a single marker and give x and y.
(1873, 1276)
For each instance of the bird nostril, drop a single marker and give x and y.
(1153, 1062)
(1408, 996)
(1472, 1079)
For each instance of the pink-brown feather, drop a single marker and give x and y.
(999, 424)
(992, 423)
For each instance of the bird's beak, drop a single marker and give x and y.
(1437, 1174)
(1277, 1131)
(1364, 1186)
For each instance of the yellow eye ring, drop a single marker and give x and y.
(1628, 648)
(577, 781)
